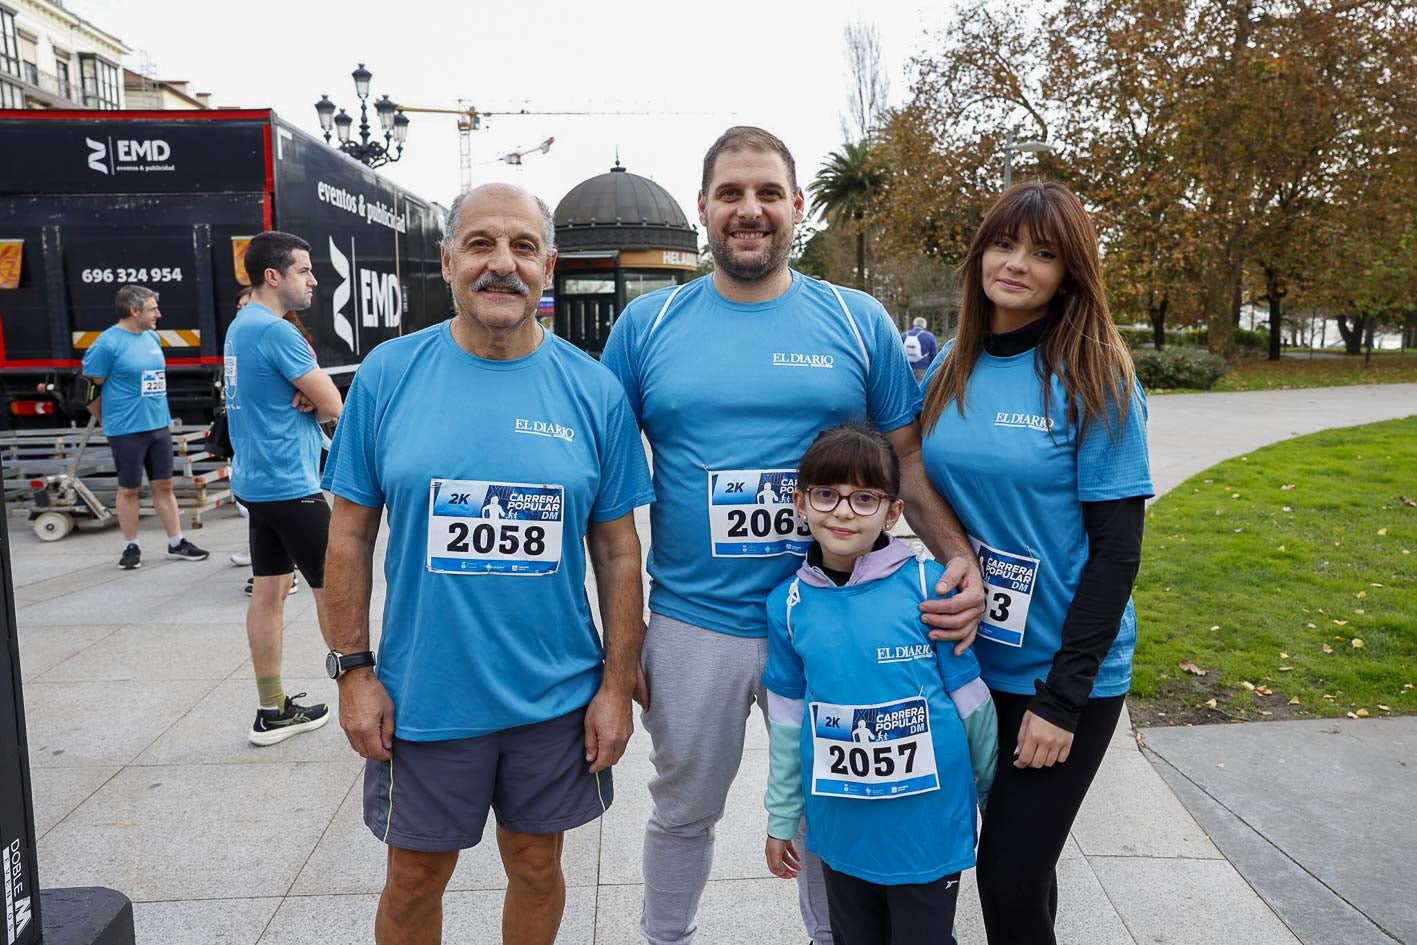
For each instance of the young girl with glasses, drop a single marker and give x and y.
(884, 739)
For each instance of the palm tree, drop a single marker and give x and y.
(843, 191)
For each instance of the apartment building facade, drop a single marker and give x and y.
(50, 57)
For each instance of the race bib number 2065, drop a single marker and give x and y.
(479, 527)
(751, 514)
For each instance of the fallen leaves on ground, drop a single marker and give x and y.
(1290, 487)
(1294, 701)
(1327, 648)
(1356, 643)
(1192, 668)
(1248, 685)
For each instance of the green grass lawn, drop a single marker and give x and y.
(1287, 574)
(1288, 373)
(1388, 367)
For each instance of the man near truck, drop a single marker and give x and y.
(128, 375)
(274, 394)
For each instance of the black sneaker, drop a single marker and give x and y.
(272, 726)
(132, 558)
(187, 551)
(294, 585)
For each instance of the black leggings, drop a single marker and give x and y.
(1030, 813)
(867, 913)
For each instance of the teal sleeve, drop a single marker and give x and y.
(784, 799)
(982, 731)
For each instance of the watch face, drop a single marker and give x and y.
(332, 664)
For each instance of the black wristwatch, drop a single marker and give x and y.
(337, 664)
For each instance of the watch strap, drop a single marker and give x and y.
(358, 660)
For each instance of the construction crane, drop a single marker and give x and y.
(515, 157)
(470, 120)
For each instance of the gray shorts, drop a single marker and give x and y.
(135, 453)
(434, 796)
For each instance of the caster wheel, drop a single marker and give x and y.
(52, 526)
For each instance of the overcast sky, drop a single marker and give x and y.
(780, 65)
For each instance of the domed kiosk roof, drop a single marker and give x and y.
(620, 210)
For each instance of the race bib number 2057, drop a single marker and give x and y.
(479, 527)
(872, 752)
(751, 514)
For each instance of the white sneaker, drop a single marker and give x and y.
(242, 559)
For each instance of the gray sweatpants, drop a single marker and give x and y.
(702, 688)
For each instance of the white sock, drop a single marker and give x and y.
(173, 542)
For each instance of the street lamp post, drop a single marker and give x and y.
(392, 122)
(1011, 147)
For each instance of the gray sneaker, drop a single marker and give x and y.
(187, 551)
(272, 726)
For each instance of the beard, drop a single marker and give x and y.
(756, 266)
(297, 301)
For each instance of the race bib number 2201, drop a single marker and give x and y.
(751, 514)
(479, 527)
(154, 383)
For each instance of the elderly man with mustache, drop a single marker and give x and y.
(504, 458)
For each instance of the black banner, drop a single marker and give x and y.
(19, 878)
(133, 156)
(374, 248)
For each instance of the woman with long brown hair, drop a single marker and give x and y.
(1035, 432)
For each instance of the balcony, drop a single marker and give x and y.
(50, 91)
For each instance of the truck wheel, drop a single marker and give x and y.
(52, 526)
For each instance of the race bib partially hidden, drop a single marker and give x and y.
(874, 751)
(1009, 582)
(154, 383)
(477, 527)
(751, 514)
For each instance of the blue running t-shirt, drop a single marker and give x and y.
(491, 472)
(134, 373)
(730, 395)
(1017, 480)
(275, 447)
(876, 690)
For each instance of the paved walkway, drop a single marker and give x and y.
(139, 691)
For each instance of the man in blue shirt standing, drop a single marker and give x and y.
(920, 348)
(274, 395)
(505, 458)
(127, 365)
(731, 377)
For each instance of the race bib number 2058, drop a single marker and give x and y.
(751, 514)
(480, 527)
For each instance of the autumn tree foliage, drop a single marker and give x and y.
(1231, 150)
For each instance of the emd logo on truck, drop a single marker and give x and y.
(378, 304)
(128, 154)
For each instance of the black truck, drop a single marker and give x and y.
(93, 200)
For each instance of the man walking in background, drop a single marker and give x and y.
(276, 397)
(128, 395)
(920, 348)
